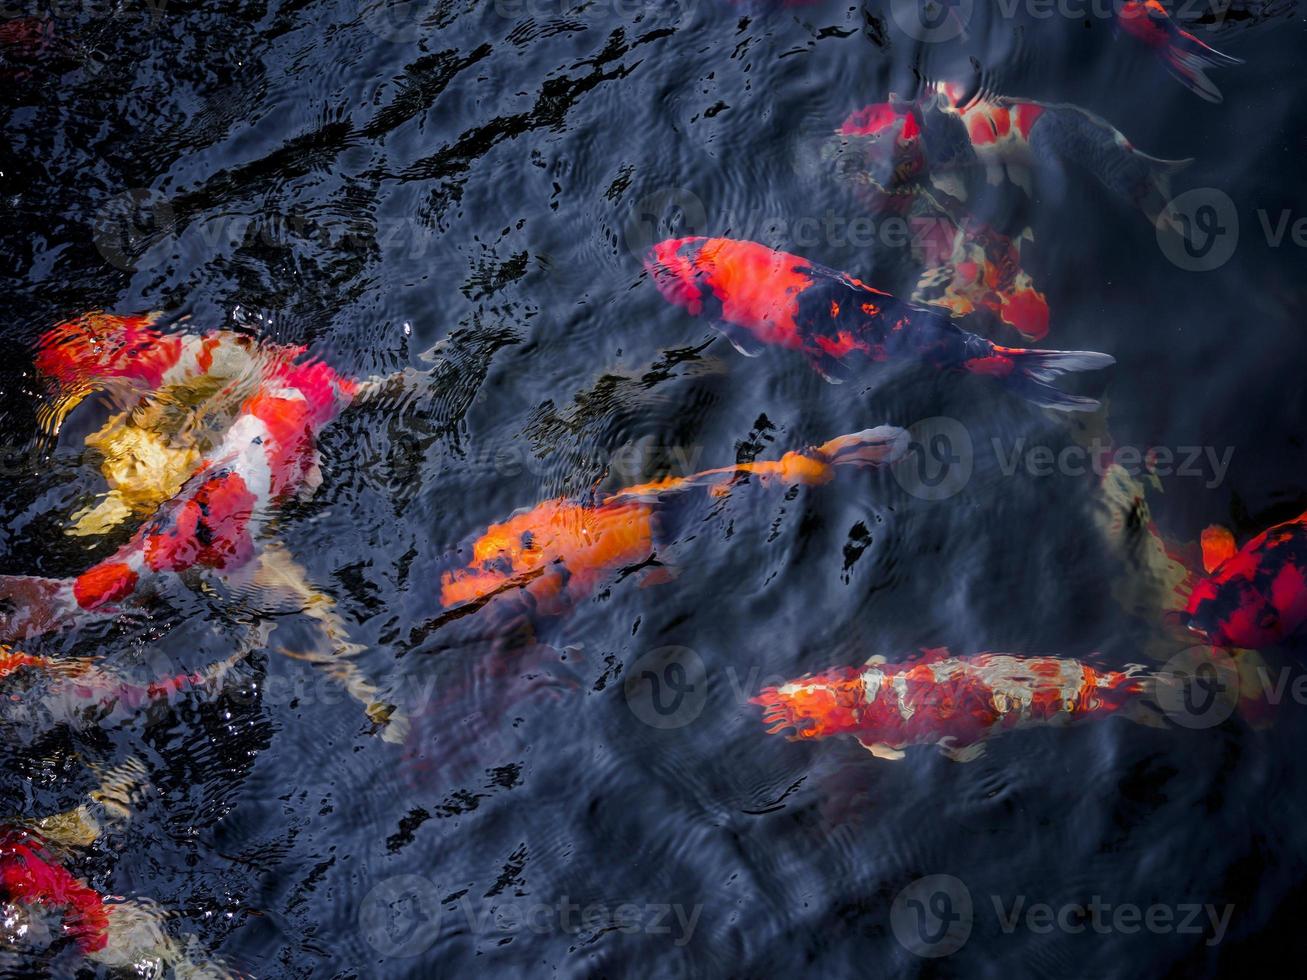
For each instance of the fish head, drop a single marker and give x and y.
(95, 350)
(818, 706)
(681, 272)
(879, 145)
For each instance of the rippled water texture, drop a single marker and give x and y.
(576, 782)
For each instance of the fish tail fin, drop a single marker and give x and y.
(1033, 371)
(1154, 194)
(1188, 59)
(870, 447)
(31, 605)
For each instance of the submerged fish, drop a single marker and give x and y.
(177, 393)
(955, 703)
(39, 692)
(758, 297)
(1185, 57)
(945, 134)
(562, 551)
(1254, 596)
(967, 265)
(107, 930)
(211, 526)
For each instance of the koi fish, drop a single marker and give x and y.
(944, 134)
(117, 933)
(1185, 57)
(982, 271)
(268, 454)
(561, 551)
(178, 393)
(759, 297)
(30, 876)
(955, 703)
(968, 265)
(39, 691)
(1254, 596)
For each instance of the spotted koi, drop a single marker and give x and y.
(953, 702)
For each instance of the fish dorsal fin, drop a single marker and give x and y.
(1218, 545)
(930, 655)
(882, 751)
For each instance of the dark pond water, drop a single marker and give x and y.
(374, 180)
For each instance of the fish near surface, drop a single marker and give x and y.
(759, 297)
(1255, 596)
(562, 551)
(953, 702)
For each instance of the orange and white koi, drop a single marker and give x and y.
(562, 551)
(758, 296)
(952, 702)
(1185, 57)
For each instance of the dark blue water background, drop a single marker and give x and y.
(370, 180)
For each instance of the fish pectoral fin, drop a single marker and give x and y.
(966, 753)
(832, 369)
(882, 751)
(1218, 545)
(741, 338)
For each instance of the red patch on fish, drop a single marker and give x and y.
(104, 583)
(29, 879)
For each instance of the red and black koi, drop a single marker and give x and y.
(1185, 57)
(1255, 596)
(758, 296)
(953, 702)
